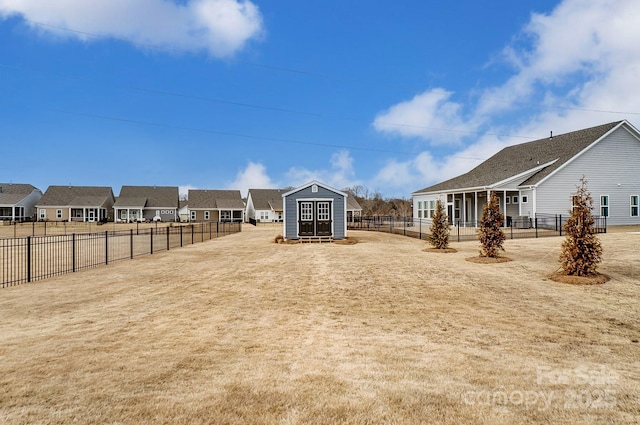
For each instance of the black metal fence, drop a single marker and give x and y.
(542, 225)
(33, 258)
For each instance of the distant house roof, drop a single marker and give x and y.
(267, 199)
(12, 193)
(76, 196)
(215, 199)
(148, 197)
(547, 154)
(352, 204)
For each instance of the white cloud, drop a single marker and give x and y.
(254, 176)
(183, 190)
(429, 115)
(220, 27)
(340, 175)
(570, 66)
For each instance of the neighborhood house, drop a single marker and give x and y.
(147, 203)
(17, 201)
(538, 178)
(76, 203)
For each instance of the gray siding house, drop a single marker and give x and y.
(315, 210)
(539, 177)
(265, 205)
(146, 203)
(17, 201)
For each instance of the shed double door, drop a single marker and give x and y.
(314, 218)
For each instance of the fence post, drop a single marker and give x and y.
(45, 228)
(420, 231)
(217, 228)
(535, 222)
(181, 236)
(131, 242)
(151, 246)
(192, 241)
(210, 226)
(511, 229)
(560, 223)
(405, 226)
(458, 230)
(106, 247)
(202, 233)
(73, 252)
(28, 258)
(137, 228)
(167, 230)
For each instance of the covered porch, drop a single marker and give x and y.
(12, 213)
(465, 208)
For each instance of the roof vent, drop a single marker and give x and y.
(551, 135)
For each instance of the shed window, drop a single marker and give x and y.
(634, 205)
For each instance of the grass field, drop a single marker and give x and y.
(241, 330)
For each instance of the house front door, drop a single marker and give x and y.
(92, 214)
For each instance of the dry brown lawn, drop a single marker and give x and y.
(242, 330)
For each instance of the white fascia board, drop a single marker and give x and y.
(311, 183)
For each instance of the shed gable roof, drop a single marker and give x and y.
(518, 159)
(215, 199)
(57, 196)
(315, 182)
(267, 199)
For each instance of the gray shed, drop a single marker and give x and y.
(315, 210)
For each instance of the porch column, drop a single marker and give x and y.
(504, 214)
(475, 207)
(464, 210)
(84, 215)
(13, 213)
(69, 214)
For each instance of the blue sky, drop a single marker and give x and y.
(231, 94)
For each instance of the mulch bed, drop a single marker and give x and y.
(442, 251)
(488, 260)
(595, 279)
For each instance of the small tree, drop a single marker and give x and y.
(581, 249)
(439, 236)
(490, 234)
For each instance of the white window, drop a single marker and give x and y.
(193, 216)
(43, 214)
(514, 200)
(58, 213)
(525, 199)
(323, 211)
(604, 205)
(306, 211)
(264, 215)
(225, 215)
(314, 188)
(206, 215)
(634, 205)
(432, 208)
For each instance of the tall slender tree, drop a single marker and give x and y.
(581, 250)
(439, 236)
(490, 234)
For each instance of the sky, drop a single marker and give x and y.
(239, 94)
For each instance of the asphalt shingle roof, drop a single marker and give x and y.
(267, 199)
(56, 196)
(153, 196)
(215, 199)
(517, 159)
